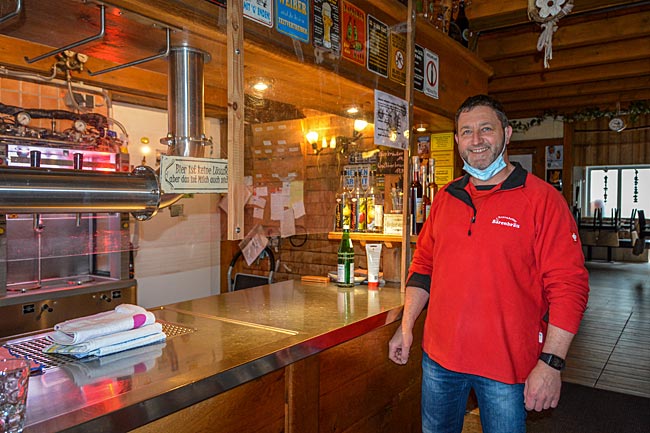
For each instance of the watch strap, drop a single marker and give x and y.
(552, 360)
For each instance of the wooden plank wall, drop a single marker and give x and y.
(595, 144)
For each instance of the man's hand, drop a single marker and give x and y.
(400, 345)
(542, 388)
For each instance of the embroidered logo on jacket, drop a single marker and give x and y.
(506, 221)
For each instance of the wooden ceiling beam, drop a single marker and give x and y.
(590, 88)
(632, 68)
(570, 33)
(604, 101)
(612, 52)
(490, 15)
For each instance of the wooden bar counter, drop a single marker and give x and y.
(286, 357)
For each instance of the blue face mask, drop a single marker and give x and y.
(487, 173)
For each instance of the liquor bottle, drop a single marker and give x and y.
(432, 187)
(340, 204)
(426, 201)
(360, 205)
(415, 199)
(374, 206)
(349, 217)
(345, 260)
(459, 28)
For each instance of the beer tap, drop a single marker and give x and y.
(78, 165)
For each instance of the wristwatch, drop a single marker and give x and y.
(554, 361)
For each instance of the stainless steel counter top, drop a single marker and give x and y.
(236, 337)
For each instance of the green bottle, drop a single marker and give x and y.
(345, 274)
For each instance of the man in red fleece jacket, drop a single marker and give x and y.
(500, 264)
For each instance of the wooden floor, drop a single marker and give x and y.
(612, 349)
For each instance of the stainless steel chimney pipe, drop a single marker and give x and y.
(30, 190)
(185, 103)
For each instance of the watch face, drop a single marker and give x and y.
(616, 124)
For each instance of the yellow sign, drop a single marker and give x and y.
(443, 158)
(443, 141)
(444, 175)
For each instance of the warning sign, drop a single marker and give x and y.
(398, 58)
(431, 73)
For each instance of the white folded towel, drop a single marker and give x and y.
(134, 361)
(113, 343)
(122, 318)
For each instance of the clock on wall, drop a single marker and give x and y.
(616, 124)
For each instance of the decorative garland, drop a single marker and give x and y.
(634, 110)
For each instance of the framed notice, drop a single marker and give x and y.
(354, 33)
(327, 25)
(377, 46)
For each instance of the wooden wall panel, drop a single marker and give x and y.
(256, 406)
(361, 390)
(595, 144)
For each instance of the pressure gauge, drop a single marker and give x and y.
(79, 125)
(23, 118)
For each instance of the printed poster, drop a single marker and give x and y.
(398, 58)
(377, 47)
(418, 68)
(391, 120)
(327, 25)
(292, 17)
(260, 11)
(354, 33)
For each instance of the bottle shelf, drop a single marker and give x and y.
(367, 237)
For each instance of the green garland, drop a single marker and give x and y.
(633, 111)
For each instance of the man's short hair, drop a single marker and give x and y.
(483, 101)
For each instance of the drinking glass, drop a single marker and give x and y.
(14, 378)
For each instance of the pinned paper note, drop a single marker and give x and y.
(287, 224)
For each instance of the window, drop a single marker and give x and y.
(623, 188)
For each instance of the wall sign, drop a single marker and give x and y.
(391, 120)
(327, 25)
(397, 71)
(260, 11)
(292, 17)
(377, 47)
(431, 73)
(354, 33)
(193, 175)
(418, 68)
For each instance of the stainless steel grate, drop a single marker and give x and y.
(33, 348)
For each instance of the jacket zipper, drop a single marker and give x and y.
(471, 221)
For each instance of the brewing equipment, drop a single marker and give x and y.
(65, 200)
(75, 258)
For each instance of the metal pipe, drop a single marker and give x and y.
(163, 53)
(31, 190)
(185, 102)
(19, 6)
(102, 32)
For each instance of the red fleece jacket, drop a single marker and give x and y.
(497, 268)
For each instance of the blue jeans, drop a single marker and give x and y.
(444, 399)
